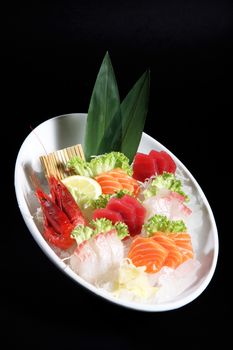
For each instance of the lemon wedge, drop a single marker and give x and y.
(83, 189)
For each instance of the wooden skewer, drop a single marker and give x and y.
(55, 163)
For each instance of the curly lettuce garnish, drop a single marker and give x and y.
(121, 193)
(167, 181)
(160, 223)
(100, 164)
(80, 166)
(122, 229)
(103, 199)
(82, 233)
(104, 225)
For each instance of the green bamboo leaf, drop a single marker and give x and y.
(104, 104)
(126, 127)
(112, 139)
(134, 110)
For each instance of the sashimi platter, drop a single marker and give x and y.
(113, 208)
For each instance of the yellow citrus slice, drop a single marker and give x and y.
(82, 188)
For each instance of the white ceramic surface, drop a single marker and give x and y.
(67, 130)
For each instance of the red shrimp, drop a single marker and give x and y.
(61, 214)
(64, 199)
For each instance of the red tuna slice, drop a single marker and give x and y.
(140, 212)
(143, 167)
(108, 214)
(126, 210)
(162, 163)
(171, 163)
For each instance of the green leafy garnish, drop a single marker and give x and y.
(100, 164)
(104, 225)
(80, 166)
(103, 199)
(121, 193)
(160, 223)
(82, 233)
(111, 126)
(108, 161)
(122, 229)
(167, 181)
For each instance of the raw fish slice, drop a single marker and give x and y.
(184, 244)
(98, 257)
(178, 207)
(119, 174)
(115, 180)
(108, 214)
(171, 164)
(116, 247)
(125, 180)
(169, 205)
(126, 210)
(103, 177)
(145, 251)
(110, 186)
(143, 167)
(126, 185)
(84, 261)
(175, 257)
(109, 249)
(176, 195)
(101, 247)
(147, 165)
(110, 189)
(157, 205)
(139, 210)
(162, 163)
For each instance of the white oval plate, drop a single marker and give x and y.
(67, 130)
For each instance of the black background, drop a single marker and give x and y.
(51, 53)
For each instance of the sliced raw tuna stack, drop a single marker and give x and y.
(126, 209)
(144, 167)
(154, 163)
(164, 161)
(140, 212)
(108, 214)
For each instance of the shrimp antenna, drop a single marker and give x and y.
(41, 143)
(34, 179)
